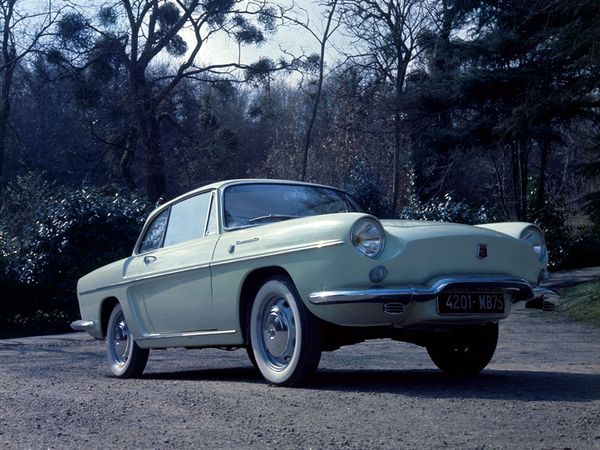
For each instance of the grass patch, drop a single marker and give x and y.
(583, 302)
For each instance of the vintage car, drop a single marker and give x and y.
(288, 270)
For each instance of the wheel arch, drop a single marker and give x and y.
(106, 308)
(252, 283)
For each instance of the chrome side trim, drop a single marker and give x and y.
(187, 334)
(146, 277)
(83, 325)
(407, 294)
(297, 248)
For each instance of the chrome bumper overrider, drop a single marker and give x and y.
(82, 325)
(520, 289)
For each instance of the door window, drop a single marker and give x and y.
(188, 219)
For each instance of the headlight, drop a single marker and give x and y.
(368, 237)
(534, 238)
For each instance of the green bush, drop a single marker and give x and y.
(366, 188)
(75, 233)
(447, 210)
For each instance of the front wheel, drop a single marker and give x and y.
(466, 352)
(125, 358)
(285, 337)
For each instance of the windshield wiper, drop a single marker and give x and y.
(272, 217)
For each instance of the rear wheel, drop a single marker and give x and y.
(125, 358)
(285, 337)
(466, 352)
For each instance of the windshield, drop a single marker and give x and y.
(254, 204)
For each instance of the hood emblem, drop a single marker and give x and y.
(482, 251)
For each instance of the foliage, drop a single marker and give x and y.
(366, 188)
(583, 249)
(76, 232)
(447, 210)
(583, 302)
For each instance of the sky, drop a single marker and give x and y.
(219, 48)
(290, 38)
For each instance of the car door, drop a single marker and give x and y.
(172, 268)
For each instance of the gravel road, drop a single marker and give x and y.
(541, 390)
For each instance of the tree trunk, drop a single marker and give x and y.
(315, 108)
(520, 157)
(540, 200)
(148, 133)
(127, 159)
(396, 161)
(8, 59)
(155, 166)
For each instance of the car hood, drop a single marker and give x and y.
(422, 228)
(420, 250)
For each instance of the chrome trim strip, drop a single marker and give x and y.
(186, 334)
(146, 277)
(298, 248)
(406, 294)
(83, 325)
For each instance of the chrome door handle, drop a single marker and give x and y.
(149, 259)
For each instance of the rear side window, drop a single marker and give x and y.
(188, 219)
(155, 232)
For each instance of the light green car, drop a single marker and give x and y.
(288, 270)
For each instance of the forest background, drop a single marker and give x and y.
(457, 110)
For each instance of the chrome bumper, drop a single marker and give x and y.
(543, 299)
(83, 325)
(520, 289)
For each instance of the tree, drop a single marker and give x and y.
(514, 75)
(332, 23)
(136, 34)
(387, 34)
(23, 29)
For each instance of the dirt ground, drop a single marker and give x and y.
(541, 390)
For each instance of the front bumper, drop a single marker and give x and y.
(520, 290)
(415, 306)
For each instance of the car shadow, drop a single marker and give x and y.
(490, 384)
(233, 374)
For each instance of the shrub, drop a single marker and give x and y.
(447, 210)
(365, 187)
(9, 260)
(75, 234)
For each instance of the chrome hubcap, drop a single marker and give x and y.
(122, 341)
(278, 333)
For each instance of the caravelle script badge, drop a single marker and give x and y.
(482, 251)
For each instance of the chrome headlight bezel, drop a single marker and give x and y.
(368, 237)
(534, 237)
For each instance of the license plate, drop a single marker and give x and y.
(471, 303)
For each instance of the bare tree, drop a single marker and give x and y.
(386, 34)
(332, 21)
(23, 28)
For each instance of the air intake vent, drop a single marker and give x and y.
(393, 308)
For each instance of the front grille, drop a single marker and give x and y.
(393, 308)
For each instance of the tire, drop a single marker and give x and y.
(125, 358)
(284, 336)
(466, 352)
(251, 357)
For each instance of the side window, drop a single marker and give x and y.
(187, 219)
(155, 232)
